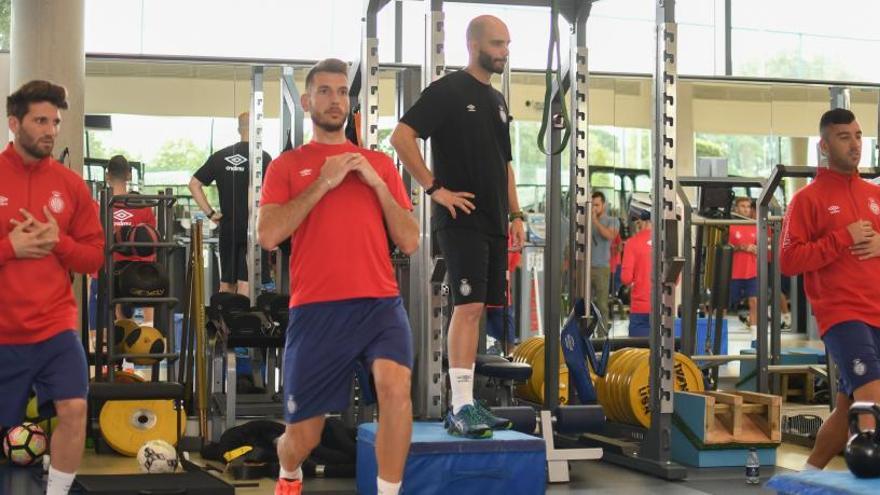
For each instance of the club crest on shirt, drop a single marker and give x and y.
(859, 367)
(834, 209)
(464, 288)
(502, 113)
(56, 202)
(737, 234)
(4, 201)
(875, 208)
(291, 405)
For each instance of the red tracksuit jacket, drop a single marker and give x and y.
(815, 242)
(36, 299)
(636, 270)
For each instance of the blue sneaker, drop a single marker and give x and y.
(467, 423)
(494, 422)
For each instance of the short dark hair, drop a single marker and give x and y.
(18, 104)
(598, 194)
(837, 116)
(118, 168)
(331, 65)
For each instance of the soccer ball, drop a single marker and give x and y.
(157, 456)
(25, 444)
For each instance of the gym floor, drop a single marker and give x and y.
(594, 477)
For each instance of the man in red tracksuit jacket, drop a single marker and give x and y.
(48, 228)
(636, 271)
(830, 234)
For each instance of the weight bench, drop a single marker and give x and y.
(233, 341)
(502, 372)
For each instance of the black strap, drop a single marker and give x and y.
(548, 86)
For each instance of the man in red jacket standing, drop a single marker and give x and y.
(636, 271)
(48, 228)
(830, 235)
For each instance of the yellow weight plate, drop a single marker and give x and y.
(619, 374)
(623, 376)
(127, 424)
(635, 367)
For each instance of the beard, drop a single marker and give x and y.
(493, 65)
(327, 124)
(33, 146)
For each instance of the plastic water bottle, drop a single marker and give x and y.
(753, 468)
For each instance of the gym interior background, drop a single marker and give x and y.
(753, 79)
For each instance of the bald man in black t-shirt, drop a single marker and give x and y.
(473, 189)
(229, 168)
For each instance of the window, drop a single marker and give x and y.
(748, 156)
(784, 39)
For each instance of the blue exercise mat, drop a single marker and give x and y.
(823, 483)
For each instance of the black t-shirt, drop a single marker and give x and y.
(469, 126)
(230, 168)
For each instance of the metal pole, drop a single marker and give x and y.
(369, 66)
(255, 153)
(429, 399)
(688, 299)
(657, 444)
(579, 189)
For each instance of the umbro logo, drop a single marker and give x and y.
(4, 201)
(834, 209)
(471, 108)
(235, 160)
(122, 215)
(305, 172)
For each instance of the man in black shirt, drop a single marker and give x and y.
(475, 203)
(229, 167)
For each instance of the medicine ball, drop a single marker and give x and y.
(121, 331)
(143, 232)
(144, 340)
(143, 279)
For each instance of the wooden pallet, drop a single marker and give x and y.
(718, 428)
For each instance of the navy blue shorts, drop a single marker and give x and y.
(55, 368)
(639, 324)
(855, 347)
(741, 289)
(496, 318)
(326, 340)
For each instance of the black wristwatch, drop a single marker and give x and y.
(434, 186)
(517, 215)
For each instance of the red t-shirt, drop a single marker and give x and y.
(130, 217)
(745, 264)
(340, 250)
(636, 270)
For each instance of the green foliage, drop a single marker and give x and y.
(5, 22)
(178, 155)
(796, 65)
(708, 148)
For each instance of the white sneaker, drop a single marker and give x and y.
(786, 321)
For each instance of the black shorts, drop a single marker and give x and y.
(476, 264)
(233, 260)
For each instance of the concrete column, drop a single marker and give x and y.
(48, 42)
(800, 147)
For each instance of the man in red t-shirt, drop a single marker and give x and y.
(499, 319)
(744, 274)
(340, 204)
(118, 178)
(636, 271)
